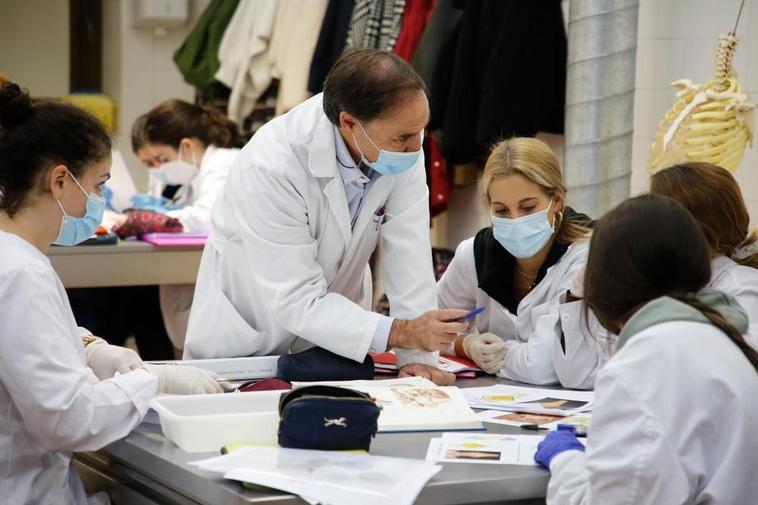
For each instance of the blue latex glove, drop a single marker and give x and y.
(555, 443)
(108, 195)
(159, 205)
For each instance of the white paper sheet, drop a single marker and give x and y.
(530, 400)
(486, 449)
(333, 478)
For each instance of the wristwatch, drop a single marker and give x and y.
(88, 339)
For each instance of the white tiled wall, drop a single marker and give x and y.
(34, 45)
(138, 70)
(677, 39)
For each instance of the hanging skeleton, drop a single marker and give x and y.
(711, 122)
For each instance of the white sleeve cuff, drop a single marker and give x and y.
(382, 334)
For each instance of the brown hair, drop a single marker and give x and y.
(368, 83)
(171, 121)
(713, 197)
(533, 159)
(631, 263)
(35, 136)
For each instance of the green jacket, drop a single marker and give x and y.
(197, 58)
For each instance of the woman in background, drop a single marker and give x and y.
(189, 150)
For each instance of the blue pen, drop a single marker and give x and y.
(470, 315)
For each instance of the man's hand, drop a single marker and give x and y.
(434, 374)
(433, 331)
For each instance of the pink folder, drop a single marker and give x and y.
(175, 239)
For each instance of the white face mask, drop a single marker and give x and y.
(178, 171)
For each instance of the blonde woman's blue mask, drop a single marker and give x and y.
(525, 236)
(75, 230)
(389, 162)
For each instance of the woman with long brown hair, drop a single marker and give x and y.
(714, 199)
(673, 416)
(520, 269)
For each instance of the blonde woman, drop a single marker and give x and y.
(521, 269)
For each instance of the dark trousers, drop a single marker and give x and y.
(118, 313)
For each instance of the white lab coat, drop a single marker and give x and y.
(198, 197)
(48, 409)
(740, 282)
(283, 262)
(673, 422)
(534, 354)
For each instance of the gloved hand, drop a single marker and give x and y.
(486, 349)
(105, 359)
(184, 380)
(555, 443)
(576, 286)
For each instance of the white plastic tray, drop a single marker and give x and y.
(205, 423)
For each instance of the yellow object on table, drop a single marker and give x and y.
(100, 106)
(711, 122)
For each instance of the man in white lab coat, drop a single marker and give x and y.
(286, 265)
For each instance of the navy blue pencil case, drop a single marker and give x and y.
(327, 418)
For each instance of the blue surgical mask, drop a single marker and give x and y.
(526, 236)
(389, 162)
(75, 230)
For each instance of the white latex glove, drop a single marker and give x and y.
(105, 359)
(184, 380)
(576, 286)
(487, 350)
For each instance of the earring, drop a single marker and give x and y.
(559, 221)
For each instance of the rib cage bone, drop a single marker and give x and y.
(711, 122)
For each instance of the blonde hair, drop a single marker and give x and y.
(533, 159)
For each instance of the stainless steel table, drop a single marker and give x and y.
(128, 263)
(145, 468)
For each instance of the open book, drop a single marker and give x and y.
(415, 404)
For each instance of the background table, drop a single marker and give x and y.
(128, 263)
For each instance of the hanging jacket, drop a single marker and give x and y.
(376, 24)
(197, 58)
(296, 31)
(331, 42)
(497, 78)
(415, 17)
(243, 56)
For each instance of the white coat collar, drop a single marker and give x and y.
(719, 265)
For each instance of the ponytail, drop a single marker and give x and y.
(719, 321)
(173, 120)
(219, 129)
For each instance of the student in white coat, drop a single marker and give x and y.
(308, 198)
(714, 198)
(190, 150)
(673, 417)
(520, 269)
(54, 161)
